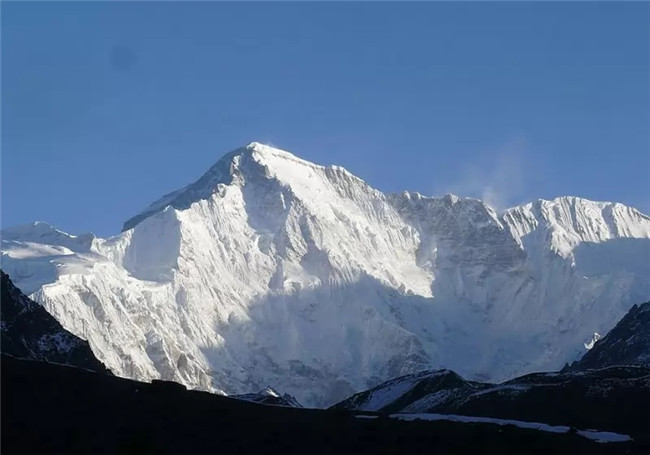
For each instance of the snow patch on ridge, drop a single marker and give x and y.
(591, 343)
(598, 436)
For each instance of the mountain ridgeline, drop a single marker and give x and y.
(270, 396)
(628, 343)
(270, 270)
(590, 399)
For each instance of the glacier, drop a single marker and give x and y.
(270, 269)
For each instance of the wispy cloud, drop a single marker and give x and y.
(497, 176)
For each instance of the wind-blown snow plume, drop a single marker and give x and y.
(497, 177)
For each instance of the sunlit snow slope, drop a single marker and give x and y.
(273, 270)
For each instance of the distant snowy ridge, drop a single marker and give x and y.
(273, 270)
(271, 397)
(583, 399)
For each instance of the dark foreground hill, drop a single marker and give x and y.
(613, 399)
(50, 408)
(28, 331)
(628, 343)
(270, 396)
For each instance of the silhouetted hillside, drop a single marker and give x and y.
(28, 331)
(628, 343)
(57, 409)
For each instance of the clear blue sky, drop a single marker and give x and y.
(106, 106)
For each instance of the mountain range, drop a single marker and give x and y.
(270, 270)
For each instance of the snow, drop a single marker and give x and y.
(604, 436)
(269, 391)
(598, 436)
(385, 394)
(591, 343)
(388, 394)
(263, 395)
(273, 270)
(429, 401)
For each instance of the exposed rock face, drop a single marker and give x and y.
(273, 270)
(27, 331)
(628, 343)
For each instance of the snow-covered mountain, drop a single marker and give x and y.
(273, 270)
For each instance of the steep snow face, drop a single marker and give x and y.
(590, 260)
(273, 270)
(533, 284)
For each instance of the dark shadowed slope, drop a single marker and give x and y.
(590, 399)
(49, 408)
(628, 343)
(270, 396)
(28, 331)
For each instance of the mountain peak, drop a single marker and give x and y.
(254, 145)
(260, 147)
(253, 162)
(263, 152)
(222, 171)
(265, 149)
